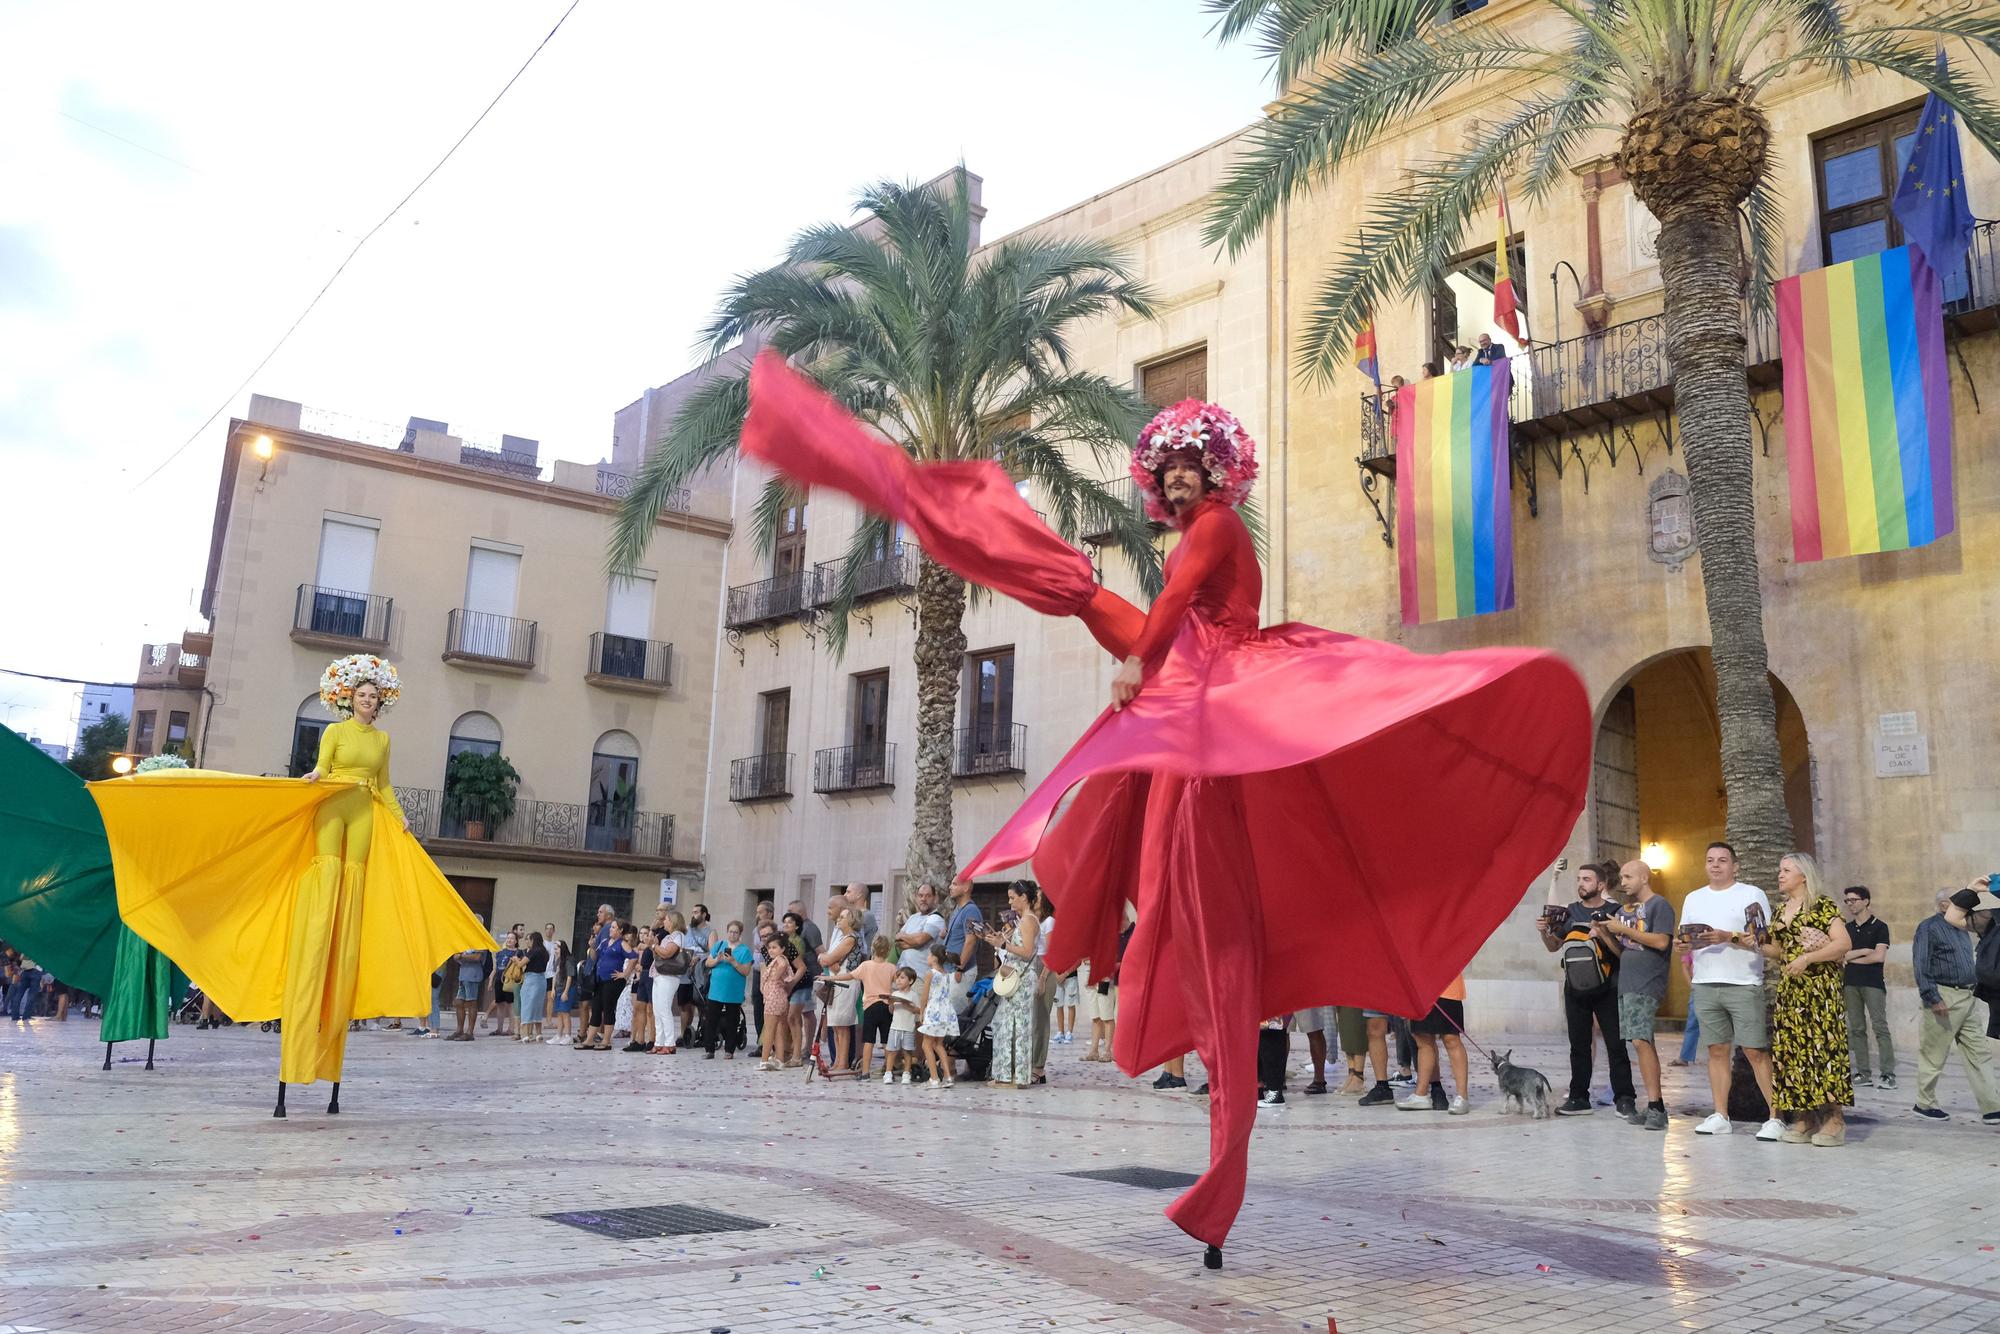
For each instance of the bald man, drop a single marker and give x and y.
(1645, 930)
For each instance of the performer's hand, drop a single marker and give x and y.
(311, 776)
(1125, 685)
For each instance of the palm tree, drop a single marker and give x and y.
(1678, 84)
(953, 352)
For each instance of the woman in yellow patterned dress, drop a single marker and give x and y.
(302, 900)
(1810, 1078)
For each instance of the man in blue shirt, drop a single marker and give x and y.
(722, 1009)
(961, 941)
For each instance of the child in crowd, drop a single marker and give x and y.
(1067, 991)
(902, 1024)
(1274, 1045)
(876, 977)
(940, 1020)
(781, 968)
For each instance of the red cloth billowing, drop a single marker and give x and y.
(1300, 817)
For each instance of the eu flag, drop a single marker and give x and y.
(1930, 200)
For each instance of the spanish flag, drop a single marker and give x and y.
(1504, 306)
(1365, 359)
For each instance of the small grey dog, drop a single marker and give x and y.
(1522, 1089)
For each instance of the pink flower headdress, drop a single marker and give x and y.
(1228, 454)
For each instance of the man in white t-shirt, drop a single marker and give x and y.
(921, 930)
(1728, 994)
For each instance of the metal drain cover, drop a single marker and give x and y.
(655, 1220)
(1146, 1178)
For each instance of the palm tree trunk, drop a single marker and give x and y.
(1700, 251)
(940, 661)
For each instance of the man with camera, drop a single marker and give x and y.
(1589, 957)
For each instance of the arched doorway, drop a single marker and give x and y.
(1657, 792)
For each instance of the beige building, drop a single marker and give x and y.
(484, 585)
(813, 756)
(1883, 663)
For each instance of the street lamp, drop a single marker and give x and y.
(263, 449)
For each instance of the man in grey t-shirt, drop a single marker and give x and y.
(1644, 929)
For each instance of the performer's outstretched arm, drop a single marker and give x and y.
(1203, 548)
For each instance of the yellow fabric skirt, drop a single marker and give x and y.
(222, 873)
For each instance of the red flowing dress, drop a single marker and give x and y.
(1299, 817)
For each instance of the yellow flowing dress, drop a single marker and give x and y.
(282, 899)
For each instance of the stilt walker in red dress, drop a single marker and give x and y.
(1245, 781)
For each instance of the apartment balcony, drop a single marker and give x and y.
(565, 832)
(620, 662)
(618, 485)
(869, 768)
(482, 639)
(335, 618)
(767, 600)
(895, 572)
(761, 777)
(172, 667)
(990, 751)
(1125, 490)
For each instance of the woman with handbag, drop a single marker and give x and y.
(671, 963)
(534, 987)
(1015, 984)
(510, 965)
(840, 955)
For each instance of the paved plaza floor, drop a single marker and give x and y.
(171, 1200)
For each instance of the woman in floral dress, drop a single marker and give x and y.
(1810, 1078)
(1014, 1022)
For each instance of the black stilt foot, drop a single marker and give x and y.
(1212, 1258)
(107, 1055)
(333, 1106)
(281, 1100)
(149, 1052)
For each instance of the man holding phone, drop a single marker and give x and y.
(1645, 930)
(1728, 993)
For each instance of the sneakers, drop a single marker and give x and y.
(1716, 1124)
(1169, 1081)
(1402, 1080)
(1863, 1080)
(1637, 1116)
(1460, 1106)
(1575, 1107)
(1771, 1131)
(904, 1078)
(1656, 1118)
(1416, 1102)
(1626, 1106)
(1378, 1095)
(417, 1032)
(1934, 1113)
(1271, 1098)
(888, 1079)
(1887, 1081)
(1201, 1092)
(1989, 1118)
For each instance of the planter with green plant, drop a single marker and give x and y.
(479, 792)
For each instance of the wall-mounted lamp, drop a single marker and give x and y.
(263, 449)
(1654, 856)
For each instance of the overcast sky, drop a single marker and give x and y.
(177, 180)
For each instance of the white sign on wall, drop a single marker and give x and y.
(1902, 757)
(670, 892)
(1897, 724)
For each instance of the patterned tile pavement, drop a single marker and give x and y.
(171, 1200)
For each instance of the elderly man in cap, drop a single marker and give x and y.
(1944, 957)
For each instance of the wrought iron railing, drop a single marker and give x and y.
(564, 826)
(1124, 490)
(336, 613)
(487, 637)
(624, 658)
(760, 777)
(893, 573)
(618, 485)
(766, 600)
(855, 768)
(989, 748)
(513, 462)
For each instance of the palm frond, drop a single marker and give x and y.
(869, 536)
(1890, 49)
(1764, 213)
(704, 431)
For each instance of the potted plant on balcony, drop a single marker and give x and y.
(479, 790)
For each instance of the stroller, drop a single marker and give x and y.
(974, 1043)
(189, 1010)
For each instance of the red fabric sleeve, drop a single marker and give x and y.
(1113, 622)
(1203, 546)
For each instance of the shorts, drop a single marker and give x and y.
(468, 988)
(802, 997)
(1101, 1005)
(1353, 1029)
(1636, 1012)
(1318, 1019)
(902, 1039)
(875, 1022)
(685, 994)
(1731, 1014)
(502, 996)
(565, 1004)
(1066, 991)
(1445, 1017)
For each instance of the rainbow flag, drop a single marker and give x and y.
(1867, 406)
(1454, 519)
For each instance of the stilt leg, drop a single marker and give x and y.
(333, 1106)
(281, 1099)
(107, 1056)
(1212, 1258)
(149, 1052)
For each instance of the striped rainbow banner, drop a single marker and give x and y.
(1454, 519)
(1867, 406)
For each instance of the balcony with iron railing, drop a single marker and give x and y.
(618, 485)
(766, 600)
(895, 572)
(484, 639)
(863, 768)
(622, 662)
(547, 831)
(761, 777)
(1124, 490)
(1620, 372)
(989, 750)
(337, 618)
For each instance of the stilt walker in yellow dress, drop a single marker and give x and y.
(305, 900)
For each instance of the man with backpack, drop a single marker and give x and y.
(1588, 955)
